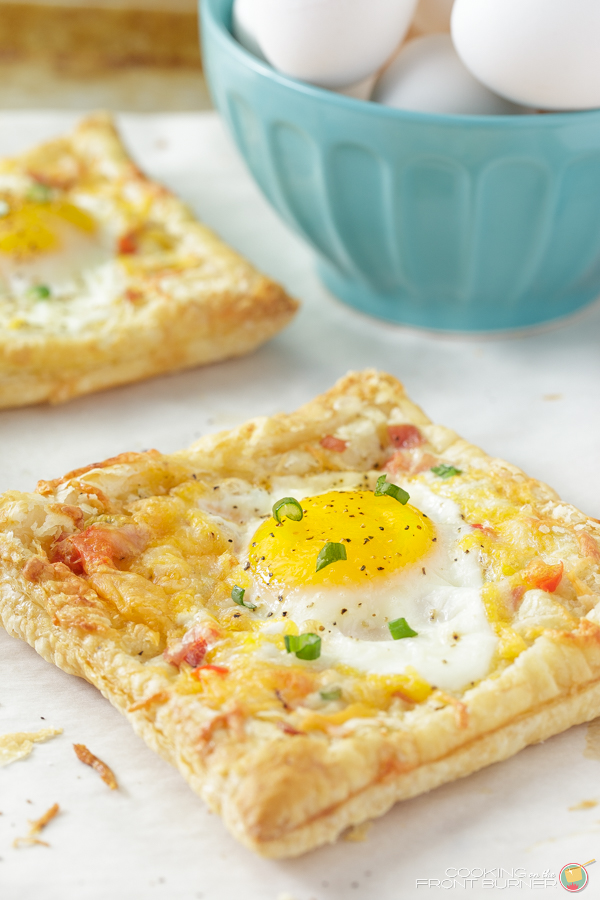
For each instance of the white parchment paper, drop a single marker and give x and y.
(533, 400)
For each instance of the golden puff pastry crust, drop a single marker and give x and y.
(108, 277)
(121, 574)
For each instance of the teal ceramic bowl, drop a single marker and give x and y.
(458, 223)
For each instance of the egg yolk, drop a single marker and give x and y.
(379, 534)
(34, 228)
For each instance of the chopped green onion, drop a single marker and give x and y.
(400, 628)
(444, 471)
(39, 292)
(288, 507)
(237, 595)
(4, 208)
(305, 646)
(384, 487)
(331, 694)
(330, 553)
(39, 193)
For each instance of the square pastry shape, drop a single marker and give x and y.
(460, 627)
(106, 277)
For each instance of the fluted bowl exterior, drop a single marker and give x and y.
(461, 223)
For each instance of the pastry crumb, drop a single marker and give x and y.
(36, 827)
(358, 833)
(105, 773)
(19, 744)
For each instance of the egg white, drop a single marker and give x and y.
(439, 596)
(85, 279)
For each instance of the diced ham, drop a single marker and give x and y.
(98, 546)
(405, 437)
(192, 650)
(128, 244)
(399, 463)
(545, 577)
(63, 551)
(329, 442)
(195, 652)
(194, 645)
(406, 462)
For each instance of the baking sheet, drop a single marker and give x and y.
(533, 400)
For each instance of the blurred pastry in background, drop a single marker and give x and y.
(106, 277)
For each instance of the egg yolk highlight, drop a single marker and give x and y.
(34, 228)
(380, 536)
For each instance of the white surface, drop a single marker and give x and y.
(154, 838)
(541, 53)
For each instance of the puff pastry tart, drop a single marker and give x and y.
(106, 277)
(315, 615)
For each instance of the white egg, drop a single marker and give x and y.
(544, 53)
(331, 43)
(433, 16)
(429, 76)
(243, 29)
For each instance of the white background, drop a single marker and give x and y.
(533, 400)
